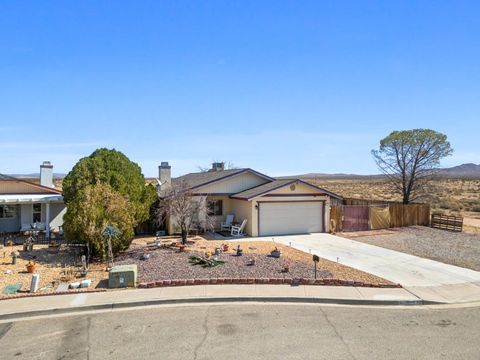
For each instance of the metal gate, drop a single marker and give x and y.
(355, 218)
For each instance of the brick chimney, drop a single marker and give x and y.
(46, 174)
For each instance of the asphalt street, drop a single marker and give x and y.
(249, 331)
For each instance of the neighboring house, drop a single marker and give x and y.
(24, 203)
(270, 206)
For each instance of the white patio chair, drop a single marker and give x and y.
(238, 230)
(227, 225)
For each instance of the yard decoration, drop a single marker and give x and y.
(205, 262)
(34, 283)
(146, 254)
(251, 262)
(225, 247)
(31, 266)
(275, 253)
(14, 254)
(316, 259)
(286, 266)
(239, 251)
(108, 233)
(217, 251)
(181, 247)
(84, 266)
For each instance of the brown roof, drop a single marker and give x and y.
(14, 179)
(196, 180)
(277, 184)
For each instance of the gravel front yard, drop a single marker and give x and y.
(165, 264)
(453, 248)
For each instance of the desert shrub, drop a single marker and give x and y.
(105, 188)
(111, 167)
(95, 207)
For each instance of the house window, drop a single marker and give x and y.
(215, 207)
(7, 211)
(37, 212)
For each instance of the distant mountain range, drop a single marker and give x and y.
(464, 170)
(469, 170)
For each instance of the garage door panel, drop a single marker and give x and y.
(284, 218)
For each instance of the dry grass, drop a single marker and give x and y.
(449, 196)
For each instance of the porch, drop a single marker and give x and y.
(24, 214)
(219, 207)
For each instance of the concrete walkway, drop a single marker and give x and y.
(428, 279)
(56, 304)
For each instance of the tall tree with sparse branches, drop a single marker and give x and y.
(410, 158)
(186, 210)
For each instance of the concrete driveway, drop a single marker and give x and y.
(428, 279)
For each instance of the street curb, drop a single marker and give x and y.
(212, 300)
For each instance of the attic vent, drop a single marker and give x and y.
(292, 187)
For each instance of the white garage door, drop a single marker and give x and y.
(284, 218)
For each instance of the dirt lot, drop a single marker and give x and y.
(54, 267)
(459, 249)
(160, 265)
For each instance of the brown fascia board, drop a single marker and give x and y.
(331, 194)
(294, 181)
(50, 190)
(234, 174)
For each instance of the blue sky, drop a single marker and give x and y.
(285, 87)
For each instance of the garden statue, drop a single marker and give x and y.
(108, 233)
(14, 255)
(239, 251)
(146, 254)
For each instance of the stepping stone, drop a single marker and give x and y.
(63, 287)
(11, 289)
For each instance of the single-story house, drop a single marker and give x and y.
(270, 206)
(25, 205)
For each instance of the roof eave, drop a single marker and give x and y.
(294, 181)
(49, 190)
(232, 175)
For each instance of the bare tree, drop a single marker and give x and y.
(410, 158)
(185, 209)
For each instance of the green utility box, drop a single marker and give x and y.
(122, 276)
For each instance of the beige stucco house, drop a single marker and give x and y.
(25, 205)
(270, 206)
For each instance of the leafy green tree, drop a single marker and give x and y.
(88, 211)
(94, 208)
(115, 169)
(410, 158)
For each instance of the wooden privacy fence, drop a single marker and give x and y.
(358, 215)
(445, 222)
